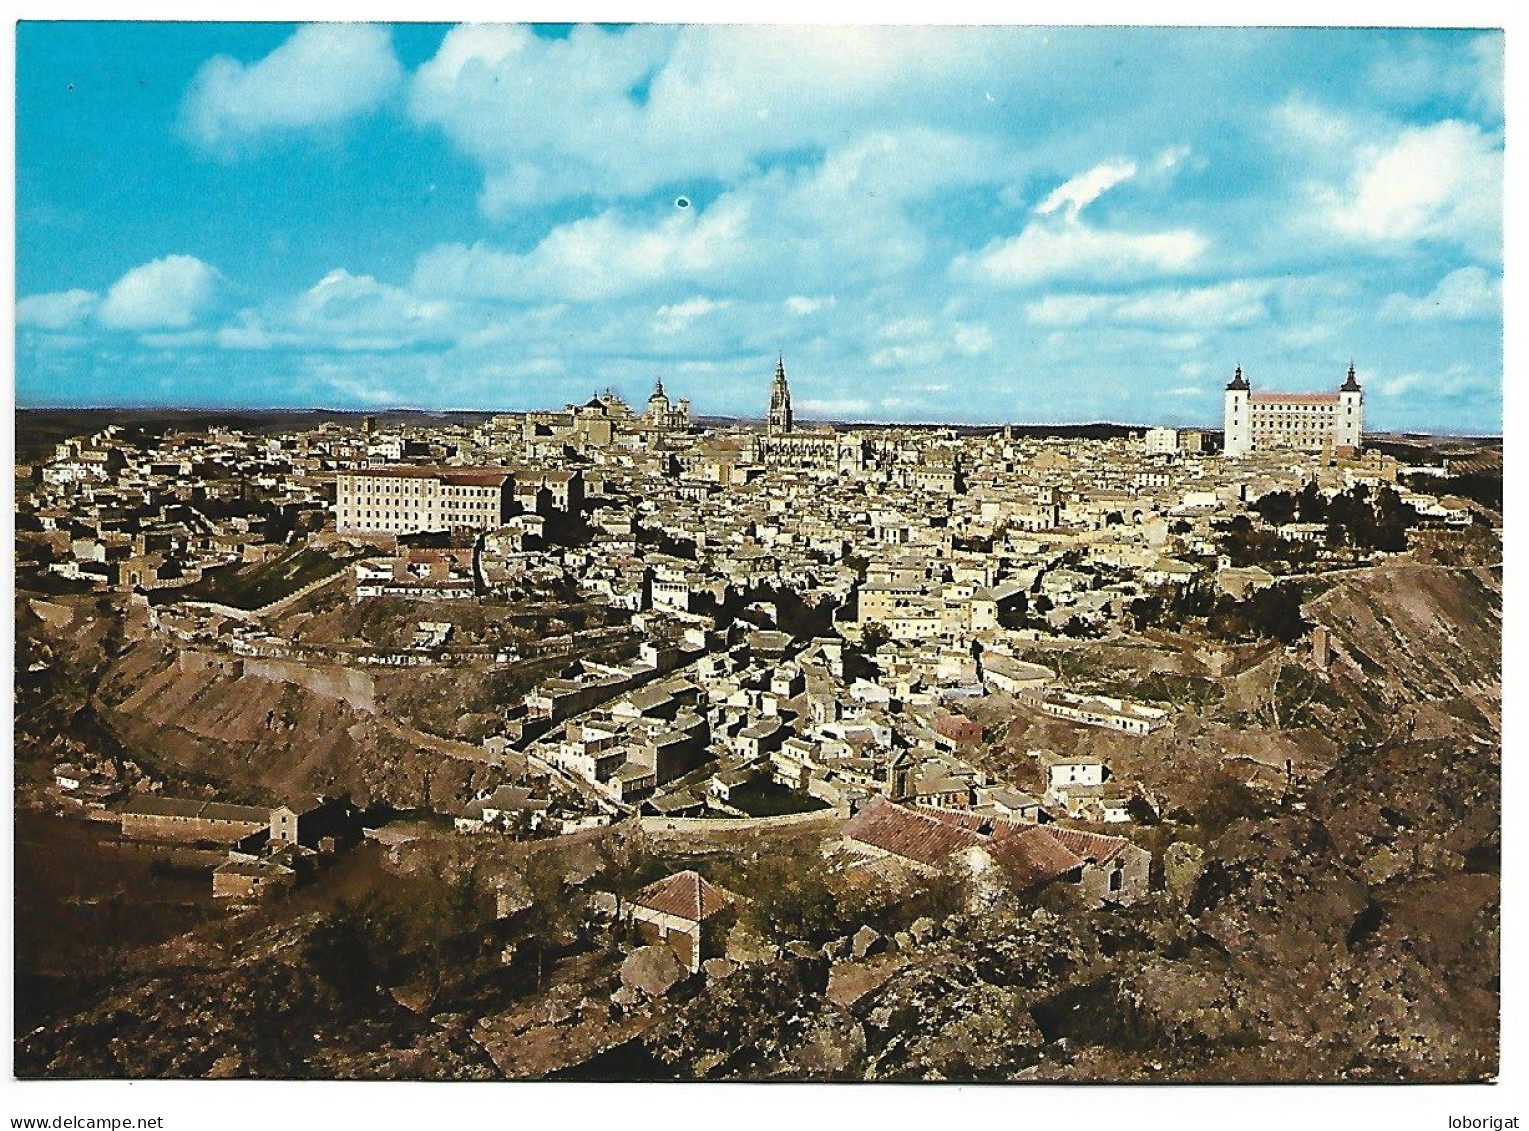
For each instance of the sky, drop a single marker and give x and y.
(992, 224)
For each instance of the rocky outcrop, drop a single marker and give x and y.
(652, 970)
(279, 1010)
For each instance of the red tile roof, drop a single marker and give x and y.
(1090, 846)
(685, 894)
(1030, 854)
(1294, 398)
(906, 833)
(1032, 857)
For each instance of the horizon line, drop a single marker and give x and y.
(293, 409)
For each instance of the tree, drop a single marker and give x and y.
(627, 864)
(1273, 613)
(874, 637)
(1076, 627)
(1276, 507)
(789, 898)
(549, 920)
(1311, 504)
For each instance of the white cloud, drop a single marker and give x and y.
(57, 311)
(1236, 303)
(1487, 50)
(1043, 252)
(594, 258)
(1463, 295)
(786, 233)
(676, 317)
(1067, 309)
(1437, 182)
(905, 328)
(1170, 158)
(358, 308)
(972, 340)
(804, 304)
(919, 343)
(1082, 190)
(323, 74)
(1062, 246)
(346, 312)
(166, 294)
(614, 112)
(832, 408)
(1455, 380)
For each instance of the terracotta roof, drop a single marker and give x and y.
(156, 806)
(1030, 854)
(903, 832)
(239, 814)
(1089, 846)
(1294, 398)
(684, 894)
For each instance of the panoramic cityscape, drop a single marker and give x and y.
(906, 574)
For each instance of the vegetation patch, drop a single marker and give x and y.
(257, 584)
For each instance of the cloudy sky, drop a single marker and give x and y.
(1022, 224)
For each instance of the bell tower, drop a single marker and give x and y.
(778, 423)
(1350, 430)
(1237, 423)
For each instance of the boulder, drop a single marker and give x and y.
(626, 997)
(1434, 856)
(1385, 863)
(867, 941)
(745, 946)
(923, 930)
(903, 940)
(652, 970)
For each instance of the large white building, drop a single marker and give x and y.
(1259, 422)
(412, 500)
(1170, 442)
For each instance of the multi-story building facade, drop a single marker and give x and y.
(1313, 422)
(412, 500)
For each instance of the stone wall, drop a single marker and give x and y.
(357, 688)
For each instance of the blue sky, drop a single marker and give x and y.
(1025, 224)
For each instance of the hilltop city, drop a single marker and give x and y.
(587, 734)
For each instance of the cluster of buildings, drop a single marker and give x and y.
(120, 513)
(268, 850)
(810, 608)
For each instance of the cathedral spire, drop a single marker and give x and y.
(778, 422)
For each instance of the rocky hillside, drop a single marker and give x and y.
(1343, 929)
(269, 735)
(284, 1003)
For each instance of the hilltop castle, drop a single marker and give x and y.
(1312, 422)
